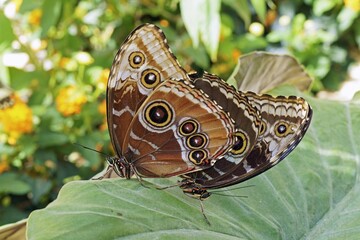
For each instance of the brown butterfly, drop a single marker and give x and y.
(164, 122)
(160, 123)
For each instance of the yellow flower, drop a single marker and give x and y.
(353, 4)
(103, 78)
(102, 107)
(235, 55)
(64, 61)
(35, 17)
(16, 119)
(70, 101)
(102, 110)
(164, 23)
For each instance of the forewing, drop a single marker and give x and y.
(141, 64)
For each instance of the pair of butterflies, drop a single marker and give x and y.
(165, 122)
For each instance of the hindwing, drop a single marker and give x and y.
(178, 129)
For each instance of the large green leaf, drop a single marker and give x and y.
(313, 194)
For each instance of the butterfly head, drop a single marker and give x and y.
(120, 167)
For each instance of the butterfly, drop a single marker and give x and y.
(160, 123)
(165, 122)
(284, 122)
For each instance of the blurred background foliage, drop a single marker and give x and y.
(56, 56)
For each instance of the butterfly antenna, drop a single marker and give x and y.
(229, 195)
(231, 189)
(94, 150)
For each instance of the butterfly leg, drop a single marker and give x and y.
(170, 186)
(106, 174)
(141, 181)
(203, 213)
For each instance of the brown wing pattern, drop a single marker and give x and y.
(141, 64)
(284, 123)
(178, 129)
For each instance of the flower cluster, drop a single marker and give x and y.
(16, 119)
(70, 101)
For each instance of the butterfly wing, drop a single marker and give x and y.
(178, 129)
(246, 116)
(284, 123)
(141, 64)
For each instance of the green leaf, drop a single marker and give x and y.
(51, 14)
(322, 6)
(260, 9)
(346, 18)
(314, 193)
(202, 21)
(7, 35)
(357, 32)
(47, 139)
(39, 188)
(260, 72)
(242, 9)
(11, 183)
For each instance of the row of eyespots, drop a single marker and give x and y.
(194, 140)
(281, 129)
(150, 78)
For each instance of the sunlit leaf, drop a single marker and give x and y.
(260, 72)
(242, 9)
(51, 13)
(7, 35)
(260, 9)
(321, 6)
(346, 18)
(202, 21)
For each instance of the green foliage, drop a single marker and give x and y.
(72, 43)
